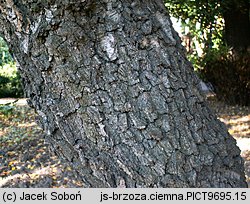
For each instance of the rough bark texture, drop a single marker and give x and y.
(116, 95)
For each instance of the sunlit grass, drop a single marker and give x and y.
(239, 126)
(8, 70)
(25, 159)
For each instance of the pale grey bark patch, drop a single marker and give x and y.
(166, 26)
(109, 47)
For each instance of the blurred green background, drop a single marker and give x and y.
(10, 80)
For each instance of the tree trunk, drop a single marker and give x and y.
(116, 95)
(237, 24)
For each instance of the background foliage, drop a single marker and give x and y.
(10, 83)
(220, 62)
(5, 56)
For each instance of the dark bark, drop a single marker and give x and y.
(116, 95)
(237, 24)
